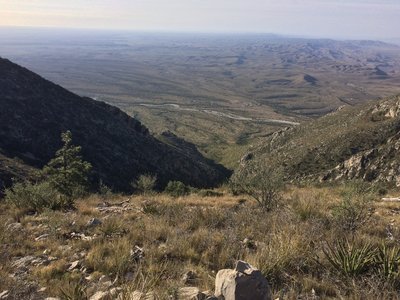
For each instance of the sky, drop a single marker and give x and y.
(373, 19)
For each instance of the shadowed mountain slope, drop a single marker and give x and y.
(361, 142)
(34, 112)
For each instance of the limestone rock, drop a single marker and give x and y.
(4, 295)
(93, 222)
(189, 277)
(242, 283)
(191, 293)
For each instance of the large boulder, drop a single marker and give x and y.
(243, 283)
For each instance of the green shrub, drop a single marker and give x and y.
(352, 213)
(261, 182)
(35, 197)
(388, 261)
(177, 189)
(145, 184)
(350, 259)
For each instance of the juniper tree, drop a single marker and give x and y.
(67, 172)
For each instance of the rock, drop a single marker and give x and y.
(4, 295)
(100, 296)
(136, 295)
(191, 293)
(13, 227)
(42, 237)
(189, 277)
(137, 254)
(73, 265)
(242, 283)
(93, 222)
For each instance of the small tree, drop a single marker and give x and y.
(67, 172)
(145, 184)
(261, 182)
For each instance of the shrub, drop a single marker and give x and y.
(145, 184)
(352, 213)
(34, 197)
(350, 259)
(177, 189)
(260, 182)
(388, 261)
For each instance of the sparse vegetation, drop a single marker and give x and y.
(145, 184)
(34, 197)
(177, 189)
(261, 182)
(155, 241)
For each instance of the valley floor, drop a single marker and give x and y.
(148, 243)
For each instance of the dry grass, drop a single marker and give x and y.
(202, 234)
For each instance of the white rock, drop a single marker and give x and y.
(191, 293)
(243, 283)
(4, 295)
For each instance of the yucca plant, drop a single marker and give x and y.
(388, 261)
(350, 259)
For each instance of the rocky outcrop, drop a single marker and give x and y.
(353, 143)
(243, 283)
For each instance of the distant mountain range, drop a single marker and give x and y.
(361, 142)
(34, 112)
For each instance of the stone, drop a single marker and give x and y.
(13, 227)
(242, 283)
(191, 293)
(189, 277)
(137, 254)
(73, 265)
(42, 237)
(100, 296)
(4, 295)
(136, 295)
(93, 222)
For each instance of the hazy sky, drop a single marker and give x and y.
(327, 18)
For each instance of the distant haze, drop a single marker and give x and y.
(354, 19)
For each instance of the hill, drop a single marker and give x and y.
(35, 111)
(354, 142)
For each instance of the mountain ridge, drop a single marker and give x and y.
(35, 112)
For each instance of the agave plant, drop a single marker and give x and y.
(388, 261)
(350, 259)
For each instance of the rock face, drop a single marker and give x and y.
(243, 283)
(34, 112)
(360, 142)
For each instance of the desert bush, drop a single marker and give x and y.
(35, 197)
(352, 213)
(388, 261)
(104, 190)
(177, 189)
(145, 184)
(350, 259)
(260, 182)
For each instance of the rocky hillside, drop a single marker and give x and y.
(354, 142)
(35, 111)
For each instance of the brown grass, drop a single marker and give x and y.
(202, 234)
